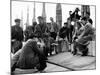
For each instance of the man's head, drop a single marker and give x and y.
(34, 23)
(65, 24)
(90, 21)
(84, 20)
(17, 21)
(77, 10)
(40, 20)
(51, 19)
(69, 21)
(70, 12)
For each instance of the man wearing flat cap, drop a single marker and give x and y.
(16, 36)
(75, 16)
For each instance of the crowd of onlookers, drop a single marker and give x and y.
(31, 47)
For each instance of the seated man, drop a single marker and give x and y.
(41, 31)
(83, 39)
(63, 31)
(29, 57)
(63, 37)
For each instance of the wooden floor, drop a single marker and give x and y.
(65, 61)
(77, 62)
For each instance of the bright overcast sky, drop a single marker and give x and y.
(21, 7)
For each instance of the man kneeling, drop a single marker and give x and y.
(29, 57)
(83, 39)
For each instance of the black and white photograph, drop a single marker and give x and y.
(51, 37)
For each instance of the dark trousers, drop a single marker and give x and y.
(69, 36)
(82, 48)
(53, 35)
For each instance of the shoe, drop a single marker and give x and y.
(74, 53)
(69, 50)
(83, 55)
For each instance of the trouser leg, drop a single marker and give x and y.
(53, 34)
(13, 67)
(75, 48)
(85, 51)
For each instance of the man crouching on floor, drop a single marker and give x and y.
(83, 39)
(29, 57)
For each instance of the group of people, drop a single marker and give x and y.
(39, 37)
(30, 48)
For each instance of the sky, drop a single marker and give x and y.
(18, 8)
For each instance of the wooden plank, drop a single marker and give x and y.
(61, 65)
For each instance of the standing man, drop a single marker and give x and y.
(75, 16)
(70, 30)
(54, 28)
(16, 36)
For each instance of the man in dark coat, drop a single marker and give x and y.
(16, 36)
(17, 31)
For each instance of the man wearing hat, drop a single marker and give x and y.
(75, 16)
(16, 36)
